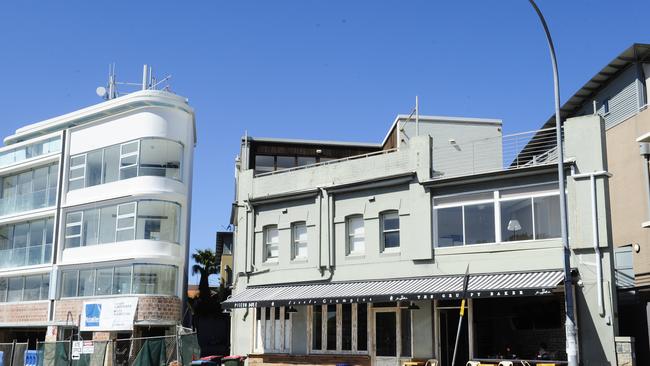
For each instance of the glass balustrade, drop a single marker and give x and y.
(27, 201)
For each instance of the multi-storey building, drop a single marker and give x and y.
(357, 253)
(94, 220)
(619, 93)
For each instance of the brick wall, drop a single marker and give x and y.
(24, 312)
(149, 308)
(321, 360)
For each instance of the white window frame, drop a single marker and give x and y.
(382, 231)
(265, 237)
(350, 236)
(284, 333)
(75, 223)
(123, 156)
(81, 167)
(132, 216)
(339, 330)
(496, 201)
(297, 243)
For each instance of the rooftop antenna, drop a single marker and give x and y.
(149, 82)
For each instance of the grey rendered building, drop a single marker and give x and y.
(357, 253)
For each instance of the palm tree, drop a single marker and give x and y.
(206, 264)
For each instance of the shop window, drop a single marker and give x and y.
(405, 324)
(273, 330)
(356, 235)
(271, 243)
(332, 327)
(389, 222)
(299, 240)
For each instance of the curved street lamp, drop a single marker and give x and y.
(569, 325)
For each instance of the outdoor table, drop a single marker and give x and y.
(518, 361)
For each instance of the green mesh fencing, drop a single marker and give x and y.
(52, 354)
(190, 349)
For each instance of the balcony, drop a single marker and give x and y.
(34, 150)
(28, 201)
(27, 256)
(519, 150)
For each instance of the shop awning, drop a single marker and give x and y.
(511, 284)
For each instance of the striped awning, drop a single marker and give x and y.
(422, 288)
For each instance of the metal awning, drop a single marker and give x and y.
(511, 284)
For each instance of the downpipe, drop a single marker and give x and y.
(596, 238)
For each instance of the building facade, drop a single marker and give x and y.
(619, 94)
(357, 253)
(95, 216)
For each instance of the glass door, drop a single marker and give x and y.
(448, 328)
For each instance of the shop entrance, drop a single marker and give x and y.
(391, 334)
(447, 329)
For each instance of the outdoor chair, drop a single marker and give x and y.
(431, 362)
(473, 363)
(505, 363)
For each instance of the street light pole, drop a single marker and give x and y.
(569, 325)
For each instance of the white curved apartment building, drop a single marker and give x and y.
(95, 209)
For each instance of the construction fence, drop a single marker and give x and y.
(173, 350)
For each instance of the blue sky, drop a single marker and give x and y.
(336, 70)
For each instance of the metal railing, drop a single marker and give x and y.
(519, 150)
(323, 163)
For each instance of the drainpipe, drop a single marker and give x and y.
(644, 150)
(594, 227)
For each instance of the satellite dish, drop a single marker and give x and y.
(101, 91)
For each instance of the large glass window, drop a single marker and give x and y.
(144, 157)
(271, 243)
(154, 279)
(450, 226)
(526, 213)
(145, 219)
(479, 223)
(24, 288)
(356, 238)
(273, 329)
(26, 244)
(151, 279)
(33, 150)
(330, 321)
(547, 219)
(389, 231)
(160, 158)
(517, 219)
(299, 239)
(28, 190)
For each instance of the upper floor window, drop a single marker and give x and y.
(269, 163)
(144, 219)
(299, 240)
(144, 157)
(528, 213)
(271, 243)
(389, 222)
(153, 279)
(33, 150)
(29, 190)
(356, 236)
(24, 288)
(26, 243)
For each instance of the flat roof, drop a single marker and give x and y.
(312, 142)
(97, 111)
(398, 118)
